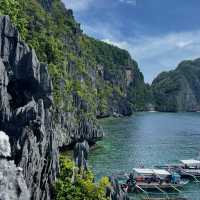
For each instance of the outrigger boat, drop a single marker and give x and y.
(191, 168)
(186, 168)
(155, 179)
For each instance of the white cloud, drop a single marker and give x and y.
(183, 44)
(102, 30)
(131, 2)
(159, 53)
(153, 53)
(78, 5)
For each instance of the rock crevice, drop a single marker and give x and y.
(26, 111)
(28, 115)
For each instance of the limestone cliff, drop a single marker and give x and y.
(51, 101)
(25, 112)
(178, 90)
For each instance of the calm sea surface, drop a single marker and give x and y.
(148, 139)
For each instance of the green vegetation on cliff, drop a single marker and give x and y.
(90, 78)
(71, 185)
(104, 78)
(178, 90)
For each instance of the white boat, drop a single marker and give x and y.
(192, 163)
(190, 168)
(187, 168)
(157, 179)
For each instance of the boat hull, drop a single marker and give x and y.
(184, 173)
(190, 174)
(164, 186)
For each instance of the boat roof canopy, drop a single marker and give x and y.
(160, 172)
(191, 162)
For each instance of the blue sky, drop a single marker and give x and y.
(157, 33)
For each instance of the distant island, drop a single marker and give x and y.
(178, 90)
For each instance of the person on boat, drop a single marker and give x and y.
(168, 179)
(130, 183)
(154, 178)
(131, 179)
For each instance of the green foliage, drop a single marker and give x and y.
(15, 10)
(71, 185)
(115, 61)
(73, 58)
(108, 55)
(166, 88)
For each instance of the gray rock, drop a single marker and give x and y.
(25, 113)
(4, 100)
(5, 150)
(12, 183)
(81, 150)
(36, 130)
(46, 4)
(115, 191)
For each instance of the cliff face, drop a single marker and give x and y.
(104, 78)
(118, 80)
(28, 114)
(45, 107)
(25, 113)
(178, 90)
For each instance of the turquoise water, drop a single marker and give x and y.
(148, 139)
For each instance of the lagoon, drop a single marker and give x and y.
(147, 139)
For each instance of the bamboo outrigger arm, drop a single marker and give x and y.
(175, 188)
(145, 192)
(167, 196)
(193, 176)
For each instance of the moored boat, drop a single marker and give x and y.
(191, 168)
(156, 179)
(186, 168)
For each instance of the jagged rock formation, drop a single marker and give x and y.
(81, 151)
(115, 192)
(25, 112)
(178, 90)
(39, 115)
(12, 183)
(119, 83)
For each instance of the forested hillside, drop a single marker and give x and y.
(178, 90)
(55, 82)
(103, 77)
